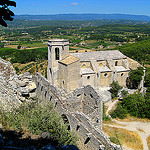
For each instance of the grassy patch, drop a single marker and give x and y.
(129, 138)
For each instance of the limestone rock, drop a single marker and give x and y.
(31, 86)
(22, 99)
(24, 90)
(32, 95)
(22, 83)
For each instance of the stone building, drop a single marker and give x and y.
(98, 68)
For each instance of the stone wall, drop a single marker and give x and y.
(14, 89)
(82, 109)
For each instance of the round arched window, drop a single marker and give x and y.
(116, 63)
(83, 66)
(121, 74)
(100, 65)
(105, 75)
(88, 77)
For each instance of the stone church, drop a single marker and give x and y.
(98, 68)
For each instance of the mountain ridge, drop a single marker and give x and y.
(84, 17)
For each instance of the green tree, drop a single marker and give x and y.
(119, 112)
(5, 12)
(115, 87)
(147, 80)
(135, 77)
(19, 46)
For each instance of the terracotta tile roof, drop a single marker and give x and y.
(69, 60)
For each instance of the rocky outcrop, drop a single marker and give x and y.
(14, 89)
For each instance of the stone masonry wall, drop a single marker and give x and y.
(71, 106)
(14, 89)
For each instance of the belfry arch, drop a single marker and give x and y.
(57, 53)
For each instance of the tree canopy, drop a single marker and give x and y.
(5, 12)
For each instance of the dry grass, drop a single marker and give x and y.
(148, 142)
(131, 118)
(129, 138)
(112, 123)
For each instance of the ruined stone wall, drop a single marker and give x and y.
(85, 122)
(14, 89)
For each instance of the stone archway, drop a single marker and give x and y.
(66, 121)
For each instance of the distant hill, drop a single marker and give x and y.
(24, 23)
(85, 17)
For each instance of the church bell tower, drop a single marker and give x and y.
(57, 50)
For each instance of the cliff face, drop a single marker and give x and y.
(14, 89)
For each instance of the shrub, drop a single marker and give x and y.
(115, 87)
(124, 93)
(106, 118)
(38, 119)
(114, 140)
(135, 77)
(119, 112)
(135, 104)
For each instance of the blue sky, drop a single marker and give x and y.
(41, 7)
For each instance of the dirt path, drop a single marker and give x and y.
(110, 105)
(143, 129)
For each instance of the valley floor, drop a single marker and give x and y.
(141, 127)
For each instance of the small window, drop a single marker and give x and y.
(57, 53)
(84, 66)
(116, 63)
(50, 70)
(100, 65)
(88, 77)
(121, 74)
(105, 75)
(91, 95)
(78, 95)
(63, 82)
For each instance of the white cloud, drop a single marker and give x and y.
(74, 4)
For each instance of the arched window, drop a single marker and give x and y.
(66, 121)
(121, 74)
(105, 75)
(88, 77)
(83, 66)
(57, 53)
(116, 63)
(100, 65)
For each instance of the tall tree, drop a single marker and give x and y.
(5, 12)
